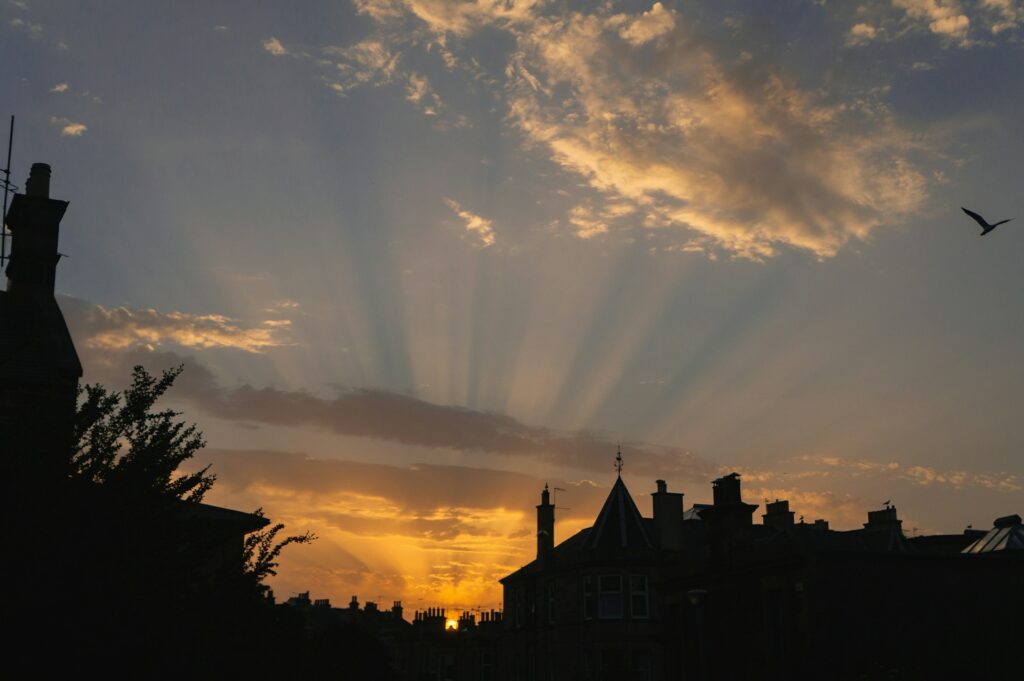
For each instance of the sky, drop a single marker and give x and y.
(419, 258)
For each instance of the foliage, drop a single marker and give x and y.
(120, 441)
(260, 550)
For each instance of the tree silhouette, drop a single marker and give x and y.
(260, 551)
(120, 545)
(120, 441)
(124, 444)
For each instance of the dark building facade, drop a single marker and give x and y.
(710, 594)
(591, 607)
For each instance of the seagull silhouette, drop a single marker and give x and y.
(986, 228)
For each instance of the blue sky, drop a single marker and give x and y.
(468, 242)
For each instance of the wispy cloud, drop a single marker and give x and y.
(68, 128)
(942, 17)
(481, 228)
(124, 328)
(810, 467)
(651, 24)
(59, 87)
(418, 91)
(34, 30)
(274, 47)
(368, 62)
(650, 111)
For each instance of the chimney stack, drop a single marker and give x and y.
(778, 515)
(40, 369)
(34, 222)
(668, 517)
(545, 526)
(728, 519)
(882, 519)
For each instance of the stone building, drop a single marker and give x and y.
(591, 607)
(710, 594)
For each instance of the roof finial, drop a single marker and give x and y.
(618, 461)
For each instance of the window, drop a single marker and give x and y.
(551, 603)
(588, 598)
(486, 666)
(640, 665)
(638, 601)
(609, 605)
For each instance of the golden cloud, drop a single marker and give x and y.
(122, 328)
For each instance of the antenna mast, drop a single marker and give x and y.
(7, 187)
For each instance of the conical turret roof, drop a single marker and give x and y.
(619, 525)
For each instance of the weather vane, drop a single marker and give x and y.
(618, 461)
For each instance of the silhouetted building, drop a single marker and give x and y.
(39, 368)
(432, 647)
(590, 607)
(708, 594)
(791, 600)
(123, 565)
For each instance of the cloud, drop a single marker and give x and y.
(658, 115)
(826, 466)
(59, 87)
(440, 533)
(480, 227)
(418, 91)
(942, 17)
(34, 30)
(274, 47)
(1003, 15)
(112, 341)
(444, 16)
(861, 34)
(734, 151)
(653, 23)
(840, 510)
(68, 128)
(123, 328)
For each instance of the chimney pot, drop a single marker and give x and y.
(38, 183)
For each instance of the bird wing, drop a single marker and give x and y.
(977, 218)
(1001, 222)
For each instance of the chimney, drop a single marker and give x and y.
(545, 526)
(38, 183)
(882, 519)
(40, 369)
(668, 517)
(726, 490)
(778, 515)
(728, 519)
(34, 222)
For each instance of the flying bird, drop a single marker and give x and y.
(986, 228)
